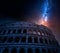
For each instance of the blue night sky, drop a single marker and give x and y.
(32, 11)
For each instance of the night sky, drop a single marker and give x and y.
(31, 10)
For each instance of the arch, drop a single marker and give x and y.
(10, 39)
(25, 31)
(0, 31)
(1, 38)
(47, 34)
(14, 50)
(43, 51)
(4, 31)
(9, 31)
(46, 41)
(35, 39)
(39, 33)
(16, 39)
(34, 32)
(30, 31)
(22, 50)
(50, 42)
(29, 50)
(23, 39)
(4, 39)
(30, 39)
(6, 50)
(57, 51)
(41, 40)
(43, 33)
(19, 31)
(37, 50)
(53, 51)
(14, 31)
(49, 50)
(57, 43)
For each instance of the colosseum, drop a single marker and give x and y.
(25, 37)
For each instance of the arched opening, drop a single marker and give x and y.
(9, 31)
(42, 33)
(22, 50)
(29, 50)
(10, 39)
(4, 31)
(4, 39)
(34, 32)
(16, 39)
(46, 41)
(29, 39)
(39, 33)
(0, 31)
(1, 38)
(25, 31)
(53, 51)
(57, 43)
(14, 50)
(23, 39)
(41, 40)
(43, 51)
(53, 42)
(37, 50)
(50, 42)
(57, 51)
(35, 40)
(19, 31)
(30, 31)
(49, 50)
(14, 31)
(6, 50)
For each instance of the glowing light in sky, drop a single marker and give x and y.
(45, 10)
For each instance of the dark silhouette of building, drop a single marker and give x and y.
(25, 37)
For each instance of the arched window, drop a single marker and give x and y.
(53, 51)
(46, 41)
(34, 32)
(37, 50)
(41, 40)
(49, 50)
(43, 51)
(43, 34)
(6, 50)
(22, 50)
(14, 31)
(50, 42)
(0, 31)
(30, 39)
(25, 31)
(57, 43)
(57, 51)
(30, 31)
(4, 31)
(39, 33)
(14, 50)
(29, 50)
(35, 40)
(9, 31)
(4, 39)
(23, 39)
(10, 39)
(19, 31)
(46, 33)
(1, 38)
(16, 39)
